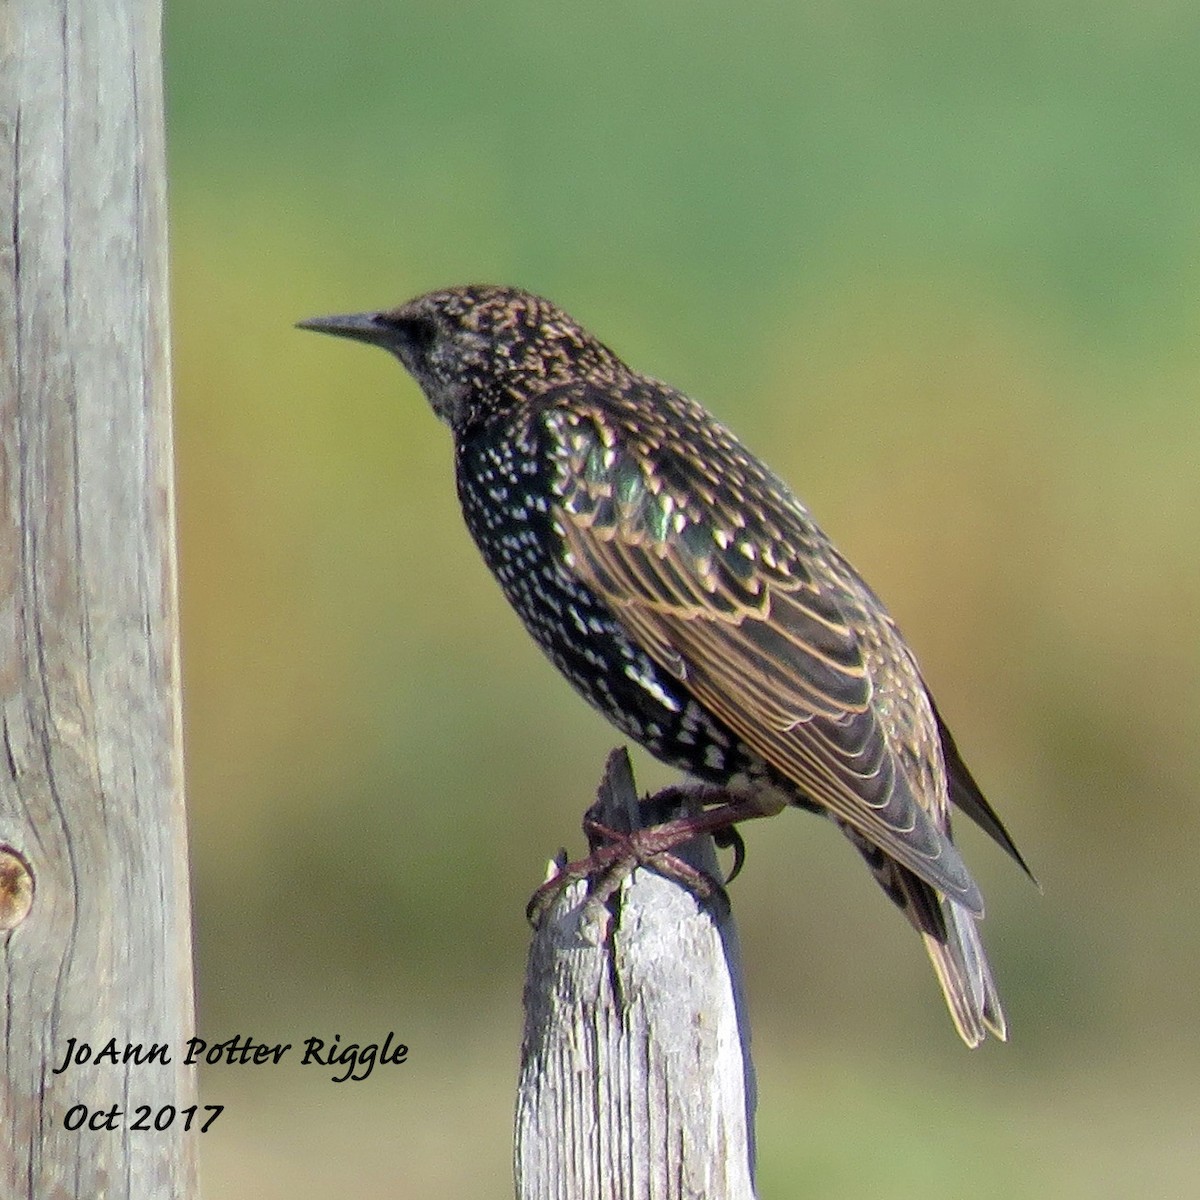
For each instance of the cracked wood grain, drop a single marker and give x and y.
(91, 781)
(636, 1081)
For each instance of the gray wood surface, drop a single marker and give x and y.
(91, 785)
(636, 1082)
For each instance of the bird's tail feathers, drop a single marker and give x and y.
(965, 977)
(952, 941)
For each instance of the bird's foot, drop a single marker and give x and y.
(615, 853)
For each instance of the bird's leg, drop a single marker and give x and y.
(614, 852)
(708, 795)
(613, 855)
(651, 845)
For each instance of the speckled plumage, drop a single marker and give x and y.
(687, 594)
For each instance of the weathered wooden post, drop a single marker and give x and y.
(94, 915)
(636, 1082)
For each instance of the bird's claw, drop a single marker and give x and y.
(615, 853)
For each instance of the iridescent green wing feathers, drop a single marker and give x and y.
(741, 610)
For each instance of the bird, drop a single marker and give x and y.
(687, 593)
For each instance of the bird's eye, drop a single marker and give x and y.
(419, 333)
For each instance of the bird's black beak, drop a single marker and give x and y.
(370, 327)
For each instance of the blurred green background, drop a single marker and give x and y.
(942, 262)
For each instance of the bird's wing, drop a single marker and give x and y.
(965, 795)
(721, 577)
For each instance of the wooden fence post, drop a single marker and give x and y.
(636, 1082)
(92, 825)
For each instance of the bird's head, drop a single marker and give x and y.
(476, 349)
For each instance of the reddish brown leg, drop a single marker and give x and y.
(614, 853)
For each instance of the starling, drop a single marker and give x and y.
(688, 595)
